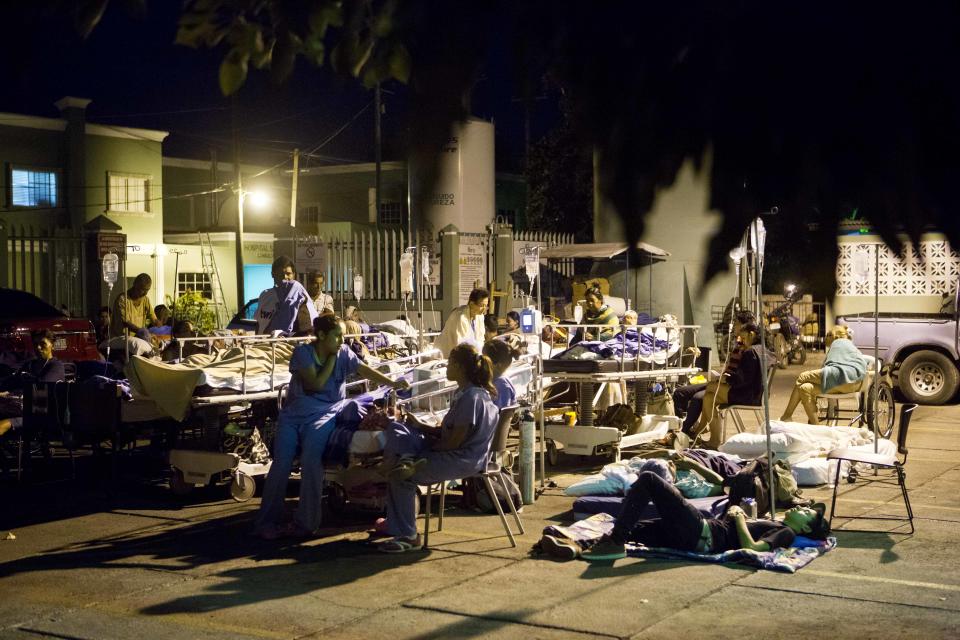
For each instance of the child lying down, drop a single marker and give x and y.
(681, 526)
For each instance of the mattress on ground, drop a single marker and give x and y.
(586, 506)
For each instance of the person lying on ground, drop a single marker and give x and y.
(681, 526)
(843, 372)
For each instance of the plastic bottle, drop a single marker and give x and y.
(749, 506)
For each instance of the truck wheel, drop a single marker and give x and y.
(928, 377)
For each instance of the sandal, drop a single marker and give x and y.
(401, 545)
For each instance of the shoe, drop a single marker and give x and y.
(401, 545)
(605, 549)
(562, 548)
(406, 468)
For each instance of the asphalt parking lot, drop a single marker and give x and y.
(143, 564)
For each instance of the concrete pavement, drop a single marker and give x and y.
(143, 564)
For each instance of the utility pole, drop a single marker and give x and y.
(376, 145)
(213, 219)
(241, 299)
(293, 190)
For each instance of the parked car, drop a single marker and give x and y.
(22, 313)
(922, 349)
(246, 319)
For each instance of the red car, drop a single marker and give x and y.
(22, 313)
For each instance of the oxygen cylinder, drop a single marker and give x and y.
(527, 445)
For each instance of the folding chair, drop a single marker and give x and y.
(493, 468)
(736, 411)
(880, 461)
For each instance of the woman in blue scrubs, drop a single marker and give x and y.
(423, 455)
(501, 356)
(315, 396)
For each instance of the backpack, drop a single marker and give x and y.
(475, 494)
(620, 416)
(753, 481)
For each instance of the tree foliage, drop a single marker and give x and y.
(559, 175)
(813, 107)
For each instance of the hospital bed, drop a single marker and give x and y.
(663, 355)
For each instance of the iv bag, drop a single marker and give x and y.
(358, 286)
(861, 264)
(577, 313)
(406, 272)
(425, 264)
(111, 268)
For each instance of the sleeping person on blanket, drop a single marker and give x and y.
(681, 526)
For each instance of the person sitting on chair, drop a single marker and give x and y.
(743, 386)
(688, 398)
(843, 371)
(501, 356)
(416, 454)
(681, 526)
(43, 367)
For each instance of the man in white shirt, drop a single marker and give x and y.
(278, 309)
(321, 300)
(465, 323)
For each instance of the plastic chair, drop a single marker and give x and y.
(493, 468)
(880, 461)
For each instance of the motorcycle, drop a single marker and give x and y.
(783, 331)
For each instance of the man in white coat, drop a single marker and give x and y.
(465, 323)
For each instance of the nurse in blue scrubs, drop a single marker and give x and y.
(501, 355)
(316, 394)
(420, 455)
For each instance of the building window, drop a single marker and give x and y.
(195, 281)
(391, 213)
(309, 214)
(508, 216)
(128, 192)
(33, 187)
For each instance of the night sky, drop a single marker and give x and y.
(137, 77)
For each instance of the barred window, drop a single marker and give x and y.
(194, 281)
(128, 192)
(391, 213)
(33, 187)
(309, 214)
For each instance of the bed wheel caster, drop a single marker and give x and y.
(243, 487)
(852, 477)
(178, 485)
(553, 454)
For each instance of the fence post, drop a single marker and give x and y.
(4, 255)
(503, 266)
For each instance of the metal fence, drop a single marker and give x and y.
(49, 263)
(373, 255)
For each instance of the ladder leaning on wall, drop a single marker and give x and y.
(213, 276)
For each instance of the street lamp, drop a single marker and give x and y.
(259, 199)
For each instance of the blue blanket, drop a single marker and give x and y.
(785, 560)
(646, 345)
